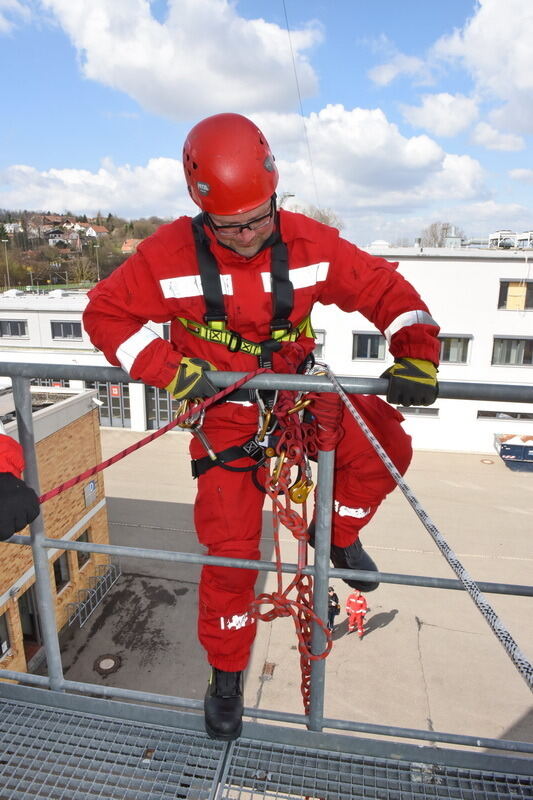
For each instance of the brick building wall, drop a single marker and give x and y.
(61, 455)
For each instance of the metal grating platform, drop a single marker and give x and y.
(54, 753)
(46, 753)
(257, 770)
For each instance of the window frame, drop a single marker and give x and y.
(60, 566)
(5, 643)
(467, 339)
(382, 345)
(320, 346)
(83, 557)
(72, 322)
(11, 335)
(528, 340)
(503, 293)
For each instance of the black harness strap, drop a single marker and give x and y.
(249, 449)
(209, 275)
(282, 288)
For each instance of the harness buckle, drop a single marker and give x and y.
(215, 318)
(235, 342)
(281, 325)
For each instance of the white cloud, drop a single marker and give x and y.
(202, 59)
(361, 164)
(442, 114)
(11, 12)
(522, 175)
(495, 47)
(361, 160)
(156, 188)
(399, 64)
(487, 136)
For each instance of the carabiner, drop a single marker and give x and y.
(301, 490)
(279, 464)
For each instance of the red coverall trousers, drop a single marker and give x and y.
(228, 514)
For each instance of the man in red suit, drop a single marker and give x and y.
(356, 608)
(237, 284)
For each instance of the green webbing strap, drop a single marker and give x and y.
(216, 331)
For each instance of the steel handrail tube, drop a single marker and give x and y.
(45, 598)
(277, 716)
(451, 390)
(424, 581)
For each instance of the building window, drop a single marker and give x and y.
(83, 557)
(61, 572)
(13, 327)
(5, 644)
(368, 345)
(49, 382)
(504, 415)
(320, 344)
(514, 352)
(418, 411)
(516, 295)
(66, 330)
(454, 349)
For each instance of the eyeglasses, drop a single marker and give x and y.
(253, 224)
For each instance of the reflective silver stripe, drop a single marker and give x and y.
(409, 318)
(130, 349)
(302, 276)
(191, 286)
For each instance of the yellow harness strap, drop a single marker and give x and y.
(216, 331)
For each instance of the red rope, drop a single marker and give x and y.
(294, 438)
(197, 408)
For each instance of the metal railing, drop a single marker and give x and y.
(321, 571)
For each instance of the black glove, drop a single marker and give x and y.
(190, 381)
(412, 382)
(19, 505)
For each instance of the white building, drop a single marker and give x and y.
(482, 299)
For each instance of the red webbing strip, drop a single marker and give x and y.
(197, 408)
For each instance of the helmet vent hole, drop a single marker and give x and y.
(194, 165)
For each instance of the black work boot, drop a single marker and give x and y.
(351, 557)
(354, 557)
(223, 705)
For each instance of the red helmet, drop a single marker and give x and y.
(228, 165)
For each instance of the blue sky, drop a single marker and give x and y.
(402, 113)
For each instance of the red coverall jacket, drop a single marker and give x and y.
(356, 608)
(11, 456)
(161, 282)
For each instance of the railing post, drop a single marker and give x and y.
(324, 505)
(45, 597)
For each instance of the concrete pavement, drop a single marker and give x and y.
(429, 660)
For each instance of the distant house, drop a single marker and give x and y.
(96, 231)
(129, 246)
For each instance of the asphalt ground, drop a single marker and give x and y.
(428, 659)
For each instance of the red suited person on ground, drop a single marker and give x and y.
(356, 608)
(237, 284)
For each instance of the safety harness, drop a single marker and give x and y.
(214, 329)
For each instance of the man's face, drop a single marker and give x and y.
(245, 241)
